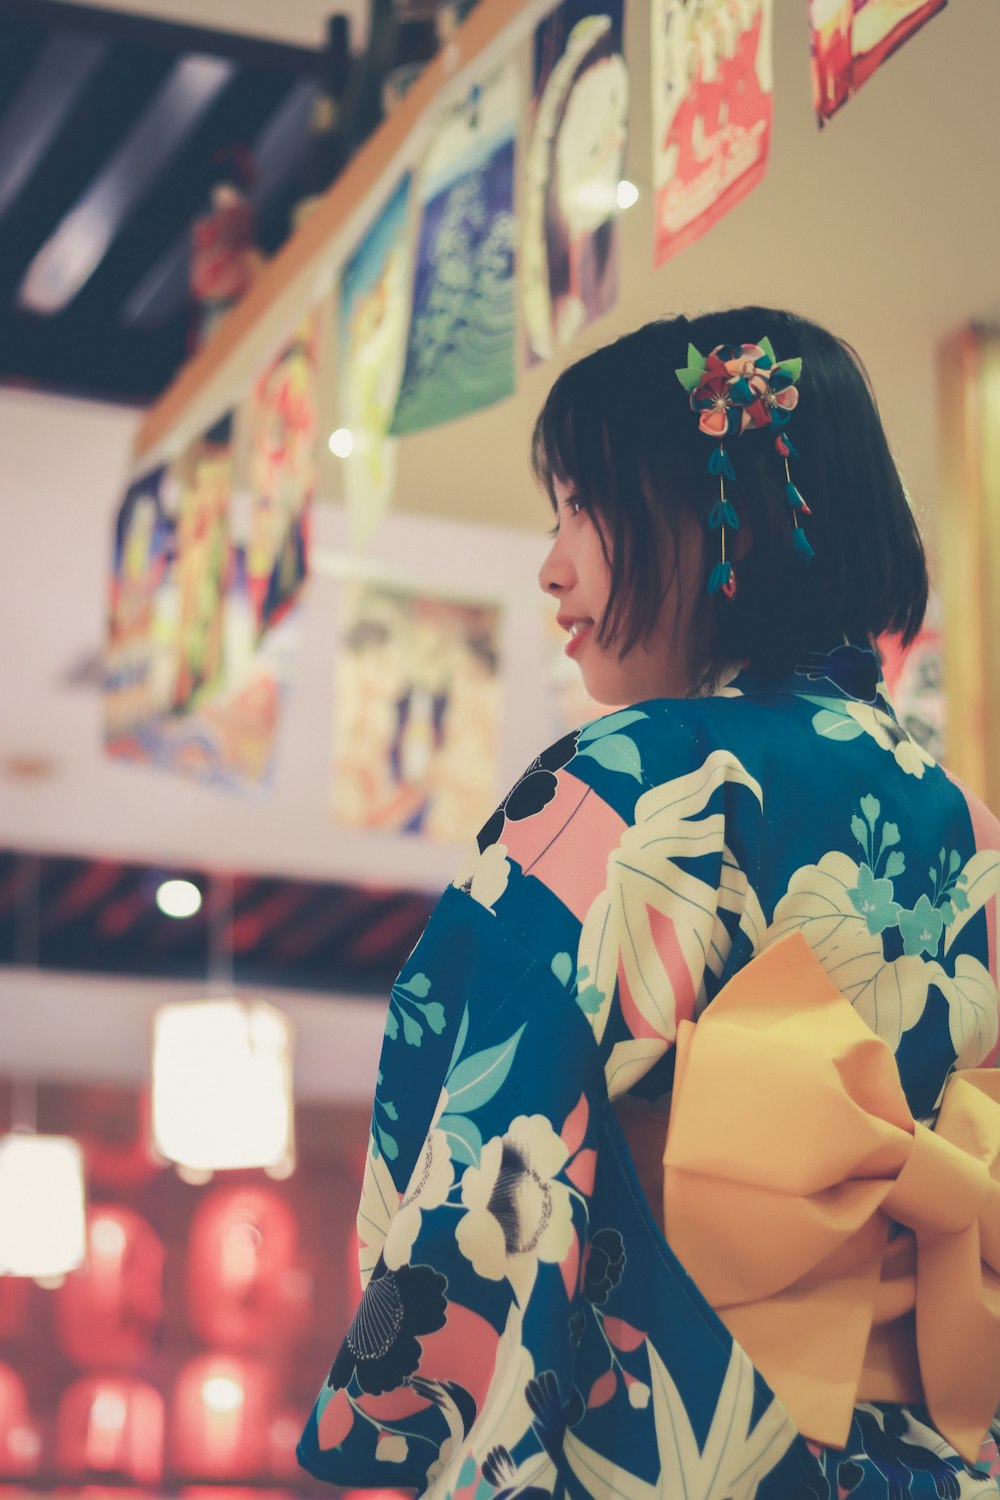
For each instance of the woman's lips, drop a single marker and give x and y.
(578, 635)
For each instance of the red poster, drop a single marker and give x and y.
(851, 38)
(711, 110)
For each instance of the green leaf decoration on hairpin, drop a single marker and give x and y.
(766, 346)
(690, 377)
(801, 545)
(791, 369)
(723, 514)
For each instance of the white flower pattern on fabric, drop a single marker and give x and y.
(428, 1188)
(890, 735)
(484, 876)
(518, 1213)
(818, 903)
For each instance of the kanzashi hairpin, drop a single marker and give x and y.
(734, 389)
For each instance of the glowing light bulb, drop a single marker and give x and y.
(220, 1393)
(341, 443)
(178, 898)
(627, 194)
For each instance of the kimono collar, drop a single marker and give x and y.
(851, 670)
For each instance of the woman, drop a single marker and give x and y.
(755, 845)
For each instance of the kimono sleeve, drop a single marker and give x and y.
(482, 1134)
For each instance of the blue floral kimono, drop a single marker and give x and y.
(525, 1329)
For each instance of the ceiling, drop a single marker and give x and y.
(110, 120)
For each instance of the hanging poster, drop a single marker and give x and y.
(712, 82)
(374, 305)
(851, 38)
(462, 344)
(416, 714)
(134, 689)
(209, 687)
(914, 679)
(575, 159)
(282, 478)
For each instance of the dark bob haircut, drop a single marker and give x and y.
(618, 427)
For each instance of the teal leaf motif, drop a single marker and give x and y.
(834, 726)
(860, 830)
(921, 928)
(391, 1027)
(477, 1078)
(465, 1140)
(434, 1012)
(872, 899)
(895, 864)
(590, 999)
(615, 753)
(890, 834)
(959, 899)
(413, 1032)
(562, 967)
(387, 1142)
(392, 1113)
(419, 985)
(611, 724)
(871, 807)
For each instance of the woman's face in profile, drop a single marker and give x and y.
(576, 574)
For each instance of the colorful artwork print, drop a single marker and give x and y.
(143, 540)
(461, 350)
(712, 82)
(851, 38)
(202, 563)
(575, 159)
(282, 478)
(192, 688)
(416, 713)
(374, 306)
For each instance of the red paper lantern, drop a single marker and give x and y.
(220, 1417)
(108, 1312)
(19, 1443)
(14, 1293)
(245, 1289)
(111, 1424)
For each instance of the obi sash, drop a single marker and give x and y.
(852, 1252)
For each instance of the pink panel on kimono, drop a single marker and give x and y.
(587, 829)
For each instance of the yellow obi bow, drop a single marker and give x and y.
(790, 1149)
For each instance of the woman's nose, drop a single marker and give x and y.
(554, 574)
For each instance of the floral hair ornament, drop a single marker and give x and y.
(734, 389)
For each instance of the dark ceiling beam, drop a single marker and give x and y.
(64, 356)
(181, 193)
(114, 98)
(168, 36)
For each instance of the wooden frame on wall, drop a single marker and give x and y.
(969, 554)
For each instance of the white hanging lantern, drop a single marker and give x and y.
(43, 1227)
(222, 1086)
